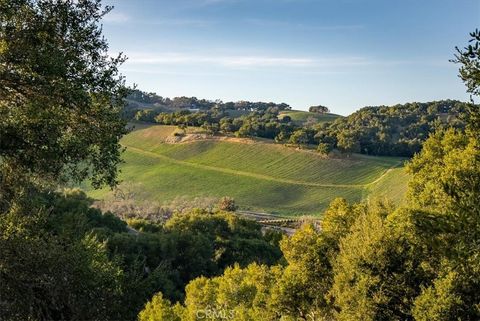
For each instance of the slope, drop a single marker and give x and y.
(259, 175)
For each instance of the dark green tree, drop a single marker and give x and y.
(60, 94)
(469, 58)
(324, 148)
(299, 137)
(319, 109)
(60, 102)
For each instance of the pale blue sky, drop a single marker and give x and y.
(344, 54)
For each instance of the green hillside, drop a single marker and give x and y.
(299, 117)
(260, 176)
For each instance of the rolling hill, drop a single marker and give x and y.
(299, 117)
(260, 175)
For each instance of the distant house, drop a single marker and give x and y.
(194, 110)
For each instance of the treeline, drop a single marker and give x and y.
(398, 130)
(137, 96)
(264, 123)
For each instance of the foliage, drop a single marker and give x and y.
(75, 253)
(469, 58)
(299, 137)
(188, 246)
(302, 288)
(60, 92)
(439, 301)
(446, 182)
(398, 130)
(227, 204)
(447, 173)
(62, 259)
(347, 142)
(381, 265)
(158, 309)
(420, 262)
(297, 289)
(319, 109)
(201, 104)
(239, 294)
(324, 148)
(53, 263)
(229, 238)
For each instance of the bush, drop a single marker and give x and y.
(227, 204)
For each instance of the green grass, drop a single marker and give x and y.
(392, 186)
(299, 117)
(260, 176)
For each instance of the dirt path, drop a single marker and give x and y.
(253, 175)
(383, 175)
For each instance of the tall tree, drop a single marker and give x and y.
(60, 101)
(448, 171)
(60, 94)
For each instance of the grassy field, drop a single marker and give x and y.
(260, 176)
(299, 117)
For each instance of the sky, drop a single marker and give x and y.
(343, 54)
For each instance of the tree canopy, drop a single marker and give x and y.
(398, 130)
(60, 92)
(319, 109)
